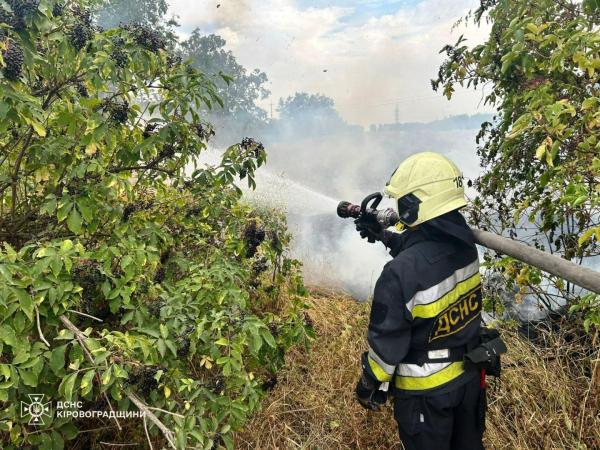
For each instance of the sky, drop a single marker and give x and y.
(368, 55)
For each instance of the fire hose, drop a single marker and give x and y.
(579, 275)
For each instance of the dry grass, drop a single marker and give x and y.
(546, 398)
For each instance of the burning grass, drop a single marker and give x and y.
(548, 397)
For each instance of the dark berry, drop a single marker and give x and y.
(274, 329)
(260, 266)
(164, 257)
(270, 383)
(22, 10)
(58, 9)
(13, 61)
(204, 132)
(118, 55)
(193, 212)
(159, 276)
(119, 111)
(251, 144)
(168, 151)
(144, 379)
(82, 90)
(184, 348)
(308, 322)
(155, 307)
(254, 236)
(128, 211)
(6, 17)
(174, 60)
(146, 37)
(83, 15)
(80, 34)
(149, 130)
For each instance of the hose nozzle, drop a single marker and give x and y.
(386, 217)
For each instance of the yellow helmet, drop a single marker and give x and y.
(426, 185)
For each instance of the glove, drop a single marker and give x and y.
(368, 393)
(369, 228)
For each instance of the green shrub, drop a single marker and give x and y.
(184, 295)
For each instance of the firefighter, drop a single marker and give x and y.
(426, 312)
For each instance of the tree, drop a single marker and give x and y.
(129, 277)
(314, 112)
(540, 69)
(148, 12)
(239, 88)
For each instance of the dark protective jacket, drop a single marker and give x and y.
(426, 310)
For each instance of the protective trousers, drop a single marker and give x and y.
(454, 420)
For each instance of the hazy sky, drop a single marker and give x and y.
(367, 55)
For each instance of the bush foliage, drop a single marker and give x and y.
(540, 68)
(184, 294)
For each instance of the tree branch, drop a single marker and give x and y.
(168, 434)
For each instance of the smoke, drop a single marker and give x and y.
(307, 175)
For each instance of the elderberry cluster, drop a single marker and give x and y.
(82, 90)
(13, 61)
(254, 236)
(249, 143)
(119, 111)
(270, 383)
(146, 37)
(87, 274)
(174, 60)
(159, 276)
(58, 9)
(82, 31)
(155, 307)
(144, 379)
(168, 151)
(204, 132)
(149, 130)
(260, 266)
(21, 11)
(274, 329)
(118, 54)
(134, 207)
(183, 348)
(6, 18)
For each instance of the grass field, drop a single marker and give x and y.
(548, 397)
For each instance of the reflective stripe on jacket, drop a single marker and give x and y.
(427, 299)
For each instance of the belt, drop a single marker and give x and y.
(454, 354)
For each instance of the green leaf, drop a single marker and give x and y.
(25, 301)
(57, 360)
(107, 376)
(67, 385)
(541, 151)
(74, 221)
(160, 345)
(268, 337)
(39, 128)
(29, 377)
(164, 331)
(7, 334)
(222, 341)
